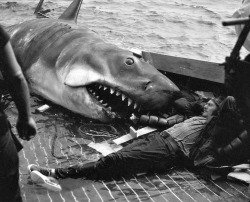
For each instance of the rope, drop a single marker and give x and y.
(98, 130)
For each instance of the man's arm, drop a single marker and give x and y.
(19, 91)
(237, 149)
(16, 82)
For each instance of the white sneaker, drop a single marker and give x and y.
(43, 170)
(44, 181)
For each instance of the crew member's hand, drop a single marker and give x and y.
(26, 128)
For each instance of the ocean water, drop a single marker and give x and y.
(183, 28)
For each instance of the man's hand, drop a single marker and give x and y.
(26, 129)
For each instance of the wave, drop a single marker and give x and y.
(160, 25)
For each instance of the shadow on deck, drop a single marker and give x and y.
(59, 142)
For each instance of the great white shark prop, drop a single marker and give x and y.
(73, 67)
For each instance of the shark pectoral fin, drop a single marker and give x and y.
(81, 77)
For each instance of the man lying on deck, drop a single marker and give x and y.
(199, 140)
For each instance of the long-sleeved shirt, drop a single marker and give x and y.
(185, 134)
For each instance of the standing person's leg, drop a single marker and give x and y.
(9, 168)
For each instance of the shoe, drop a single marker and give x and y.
(44, 181)
(43, 170)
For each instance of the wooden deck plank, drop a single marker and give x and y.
(117, 191)
(176, 188)
(127, 191)
(113, 191)
(200, 185)
(139, 191)
(224, 194)
(154, 192)
(144, 187)
(185, 185)
(163, 188)
(241, 188)
(234, 193)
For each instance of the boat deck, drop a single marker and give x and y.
(60, 141)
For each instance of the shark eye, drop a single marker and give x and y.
(129, 61)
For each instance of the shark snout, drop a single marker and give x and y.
(160, 92)
(161, 83)
(148, 85)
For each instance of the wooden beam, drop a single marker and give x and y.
(129, 136)
(187, 67)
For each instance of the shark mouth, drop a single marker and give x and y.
(114, 102)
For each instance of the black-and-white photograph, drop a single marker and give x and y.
(107, 100)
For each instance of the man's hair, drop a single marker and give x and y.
(217, 101)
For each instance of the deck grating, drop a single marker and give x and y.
(59, 143)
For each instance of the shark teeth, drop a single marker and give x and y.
(113, 99)
(139, 109)
(135, 105)
(123, 97)
(105, 104)
(129, 102)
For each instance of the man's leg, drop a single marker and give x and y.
(143, 155)
(9, 172)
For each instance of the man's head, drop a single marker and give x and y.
(212, 107)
